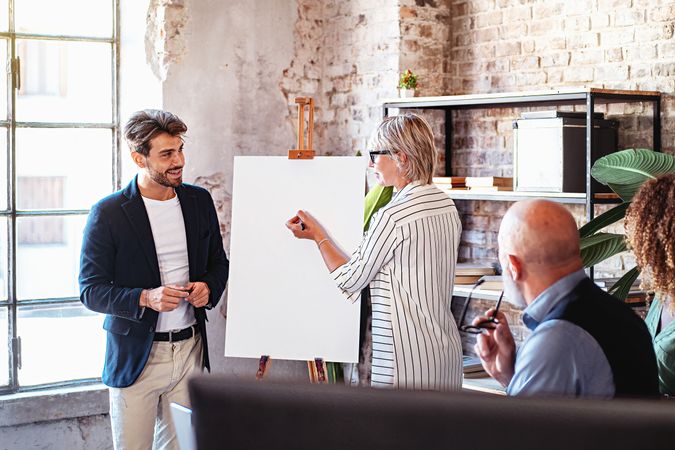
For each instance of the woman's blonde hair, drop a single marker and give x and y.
(409, 134)
(650, 229)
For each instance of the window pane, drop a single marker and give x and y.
(48, 256)
(4, 45)
(4, 16)
(4, 245)
(64, 81)
(3, 168)
(62, 168)
(65, 17)
(59, 343)
(4, 348)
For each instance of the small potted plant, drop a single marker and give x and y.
(407, 84)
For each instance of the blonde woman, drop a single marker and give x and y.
(408, 258)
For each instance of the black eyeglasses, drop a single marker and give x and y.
(375, 153)
(487, 324)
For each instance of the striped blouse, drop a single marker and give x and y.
(408, 258)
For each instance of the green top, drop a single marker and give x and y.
(664, 347)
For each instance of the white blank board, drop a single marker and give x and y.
(282, 301)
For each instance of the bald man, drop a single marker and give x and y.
(584, 342)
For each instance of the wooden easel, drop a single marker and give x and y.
(303, 152)
(317, 367)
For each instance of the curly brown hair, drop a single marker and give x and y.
(650, 229)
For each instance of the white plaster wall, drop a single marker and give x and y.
(139, 87)
(225, 86)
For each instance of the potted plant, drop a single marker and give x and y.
(407, 83)
(624, 172)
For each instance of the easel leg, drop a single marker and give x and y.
(317, 371)
(264, 363)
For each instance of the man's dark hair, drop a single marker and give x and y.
(144, 125)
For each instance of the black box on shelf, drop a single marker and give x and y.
(550, 152)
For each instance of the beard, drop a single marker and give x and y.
(162, 179)
(512, 293)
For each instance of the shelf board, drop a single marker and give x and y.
(486, 385)
(462, 290)
(514, 196)
(564, 95)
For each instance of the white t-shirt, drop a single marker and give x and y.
(168, 231)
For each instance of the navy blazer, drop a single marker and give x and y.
(119, 260)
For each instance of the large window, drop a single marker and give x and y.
(58, 155)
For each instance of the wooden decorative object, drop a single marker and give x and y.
(302, 152)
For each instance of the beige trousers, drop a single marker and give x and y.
(140, 414)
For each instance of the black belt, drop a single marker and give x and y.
(175, 336)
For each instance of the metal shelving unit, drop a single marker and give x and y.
(558, 97)
(563, 96)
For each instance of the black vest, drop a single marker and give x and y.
(622, 335)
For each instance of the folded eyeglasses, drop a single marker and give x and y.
(486, 324)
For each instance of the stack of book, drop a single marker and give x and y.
(473, 367)
(468, 273)
(492, 283)
(489, 184)
(450, 182)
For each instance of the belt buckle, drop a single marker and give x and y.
(171, 332)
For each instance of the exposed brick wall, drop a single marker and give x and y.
(518, 45)
(164, 40)
(346, 57)
(425, 29)
(513, 45)
(425, 46)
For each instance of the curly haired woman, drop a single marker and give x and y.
(650, 226)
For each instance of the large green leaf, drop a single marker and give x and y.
(603, 220)
(376, 198)
(621, 288)
(601, 246)
(625, 171)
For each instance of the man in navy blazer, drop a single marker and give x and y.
(153, 261)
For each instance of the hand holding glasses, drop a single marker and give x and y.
(486, 324)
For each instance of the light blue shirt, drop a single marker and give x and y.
(559, 358)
